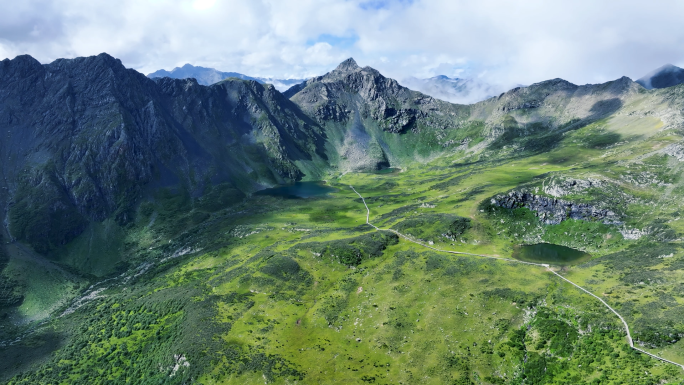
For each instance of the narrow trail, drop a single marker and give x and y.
(629, 336)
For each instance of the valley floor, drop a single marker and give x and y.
(281, 290)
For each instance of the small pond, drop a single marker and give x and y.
(298, 190)
(550, 254)
(389, 170)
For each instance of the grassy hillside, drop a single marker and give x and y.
(266, 289)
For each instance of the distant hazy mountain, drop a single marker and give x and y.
(663, 77)
(208, 76)
(204, 76)
(455, 90)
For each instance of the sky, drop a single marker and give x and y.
(496, 41)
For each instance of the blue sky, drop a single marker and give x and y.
(500, 42)
(339, 42)
(383, 4)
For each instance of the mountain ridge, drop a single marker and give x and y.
(351, 118)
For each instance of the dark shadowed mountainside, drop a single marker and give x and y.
(663, 77)
(83, 139)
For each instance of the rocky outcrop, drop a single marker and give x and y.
(552, 211)
(675, 150)
(559, 188)
(632, 234)
(397, 121)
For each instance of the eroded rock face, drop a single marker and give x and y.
(675, 150)
(552, 211)
(571, 186)
(358, 106)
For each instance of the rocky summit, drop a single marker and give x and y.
(347, 230)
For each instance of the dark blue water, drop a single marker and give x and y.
(550, 254)
(298, 190)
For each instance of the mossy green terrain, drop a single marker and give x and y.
(235, 289)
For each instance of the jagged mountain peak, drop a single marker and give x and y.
(21, 64)
(347, 72)
(104, 56)
(88, 64)
(351, 93)
(19, 59)
(348, 65)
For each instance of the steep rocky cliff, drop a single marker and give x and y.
(395, 108)
(85, 138)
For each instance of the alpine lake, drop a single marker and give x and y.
(298, 190)
(550, 254)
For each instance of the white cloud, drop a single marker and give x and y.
(203, 4)
(499, 41)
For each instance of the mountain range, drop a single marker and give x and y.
(137, 250)
(454, 90)
(87, 139)
(208, 76)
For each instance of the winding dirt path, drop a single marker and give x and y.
(629, 336)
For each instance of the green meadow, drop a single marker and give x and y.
(262, 289)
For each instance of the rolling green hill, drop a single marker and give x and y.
(137, 252)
